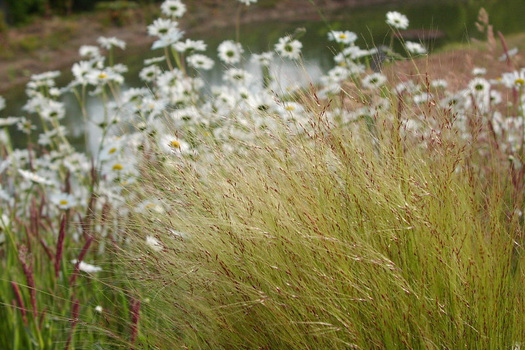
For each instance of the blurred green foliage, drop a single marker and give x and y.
(19, 11)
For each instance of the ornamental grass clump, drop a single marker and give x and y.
(369, 237)
(361, 210)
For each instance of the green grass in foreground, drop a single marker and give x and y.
(338, 240)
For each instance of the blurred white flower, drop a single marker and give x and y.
(237, 76)
(153, 243)
(63, 200)
(190, 45)
(162, 26)
(374, 81)
(167, 39)
(34, 177)
(514, 79)
(53, 110)
(479, 86)
(286, 47)
(199, 61)
(263, 59)
(509, 53)
(89, 51)
(9, 121)
(88, 268)
(439, 83)
(479, 71)
(81, 70)
(173, 8)
(415, 48)
(108, 43)
(396, 20)
(345, 37)
(422, 97)
(230, 52)
(172, 144)
(247, 2)
(150, 73)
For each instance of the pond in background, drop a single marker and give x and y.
(453, 20)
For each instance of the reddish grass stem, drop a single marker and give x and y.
(20, 301)
(27, 268)
(81, 256)
(135, 316)
(74, 321)
(60, 245)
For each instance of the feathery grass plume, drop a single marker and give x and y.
(336, 238)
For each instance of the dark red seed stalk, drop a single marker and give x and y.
(74, 321)
(28, 272)
(81, 256)
(33, 218)
(135, 316)
(60, 245)
(20, 301)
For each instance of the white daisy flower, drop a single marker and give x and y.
(89, 51)
(162, 26)
(199, 61)
(374, 81)
(230, 52)
(53, 110)
(345, 37)
(190, 45)
(81, 70)
(63, 200)
(174, 145)
(150, 73)
(237, 76)
(514, 79)
(415, 48)
(25, 125)
(479, 71)
(108, 43)
(396, 20)
(286, 47)
(264, 59)
(99, 309)
(168, 39)
(173, 8)
(479, 86)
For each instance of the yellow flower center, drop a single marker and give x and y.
(342, 36)
(175, 144)
(102, 76)
(289, 108)
(63, 202)
(519, 81)
(118, 166)
(113, 150)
